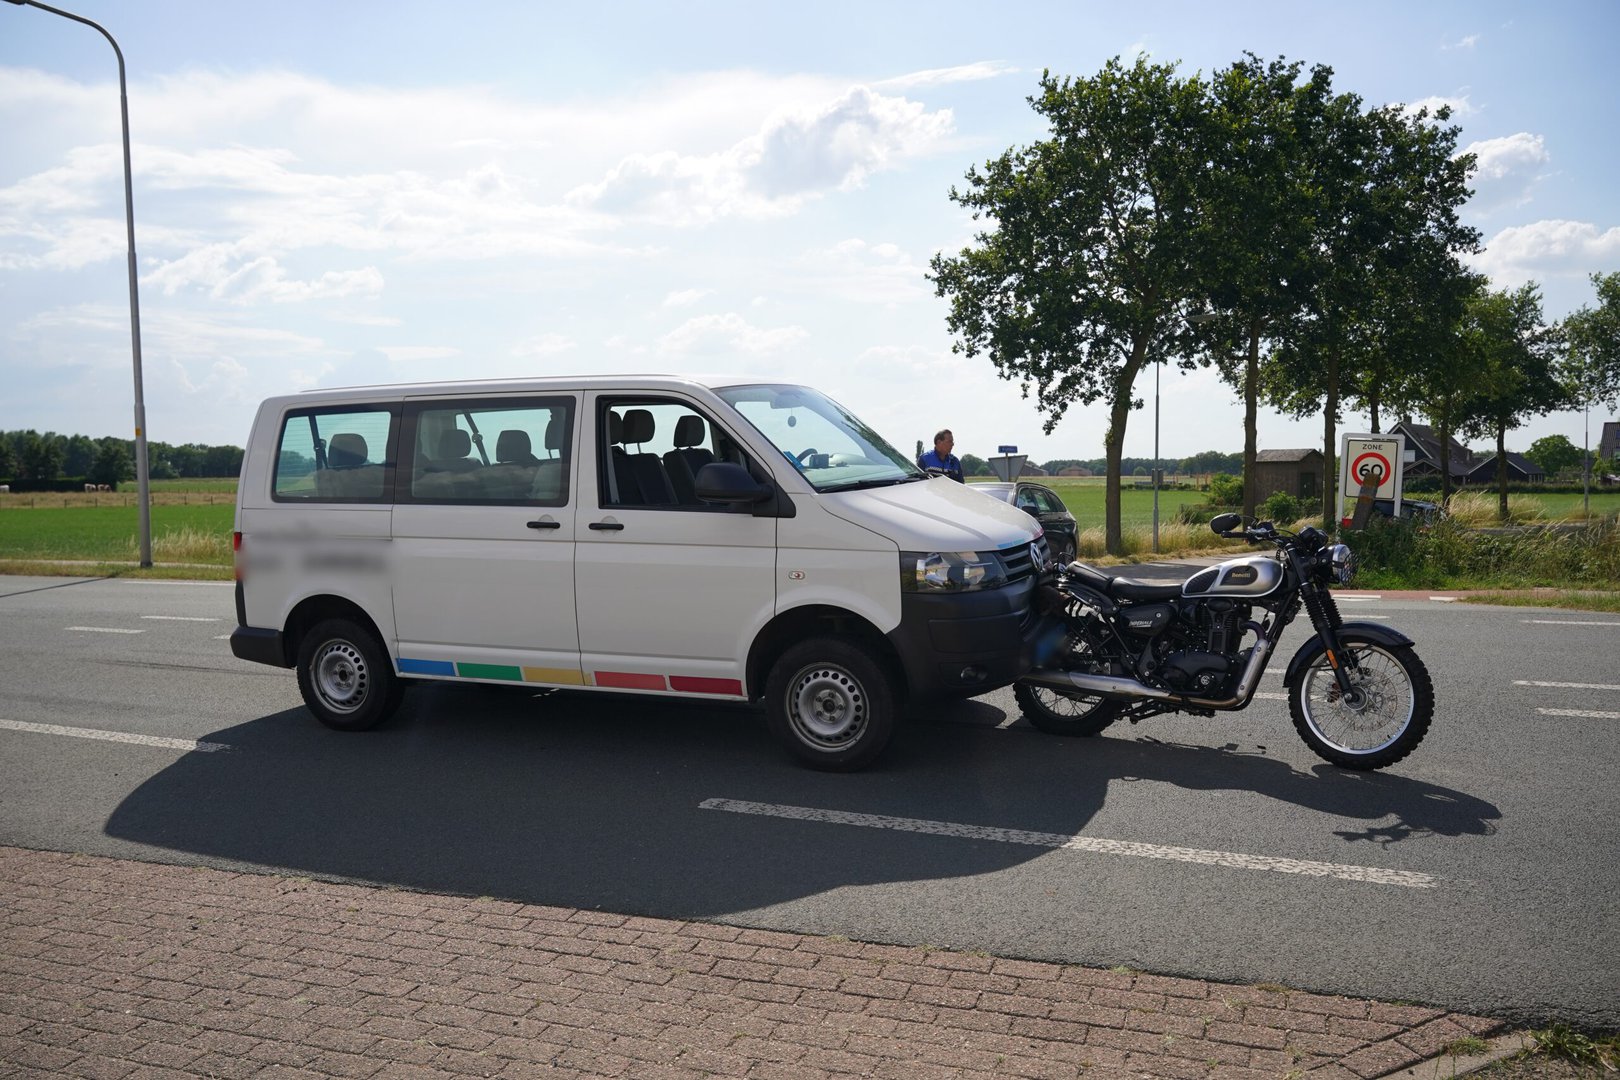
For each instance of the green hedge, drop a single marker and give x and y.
(1398, 554)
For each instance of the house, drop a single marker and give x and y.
(1297, 472)
(1520, 470)
(1421, 439)
(1609, 444)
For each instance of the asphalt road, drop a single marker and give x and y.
(1479, 874)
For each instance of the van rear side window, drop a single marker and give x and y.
(337, 455)
(512, 452)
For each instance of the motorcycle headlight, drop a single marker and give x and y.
(950, 571)
(1344, 563)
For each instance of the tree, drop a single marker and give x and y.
(39, 457)
(78, 454)
(1084, 278)
(1516, 375)
(8, 460)
(1554, 454)
(972, 465)
(1591, 367)
(112, 464)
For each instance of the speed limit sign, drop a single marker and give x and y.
(1370, 464)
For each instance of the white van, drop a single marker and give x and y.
(726, 539)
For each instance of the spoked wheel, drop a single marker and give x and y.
(1065, 712)
(1381, 721)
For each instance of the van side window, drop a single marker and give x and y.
(491, 452)
(656, 447)
(343, 454)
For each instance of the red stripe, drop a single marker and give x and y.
(691, 684)
(629, 680)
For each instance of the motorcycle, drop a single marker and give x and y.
(1358, 693)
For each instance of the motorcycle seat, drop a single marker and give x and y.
(1121, 588)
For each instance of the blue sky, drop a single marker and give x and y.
(331, 193)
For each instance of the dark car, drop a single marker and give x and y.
(1417, 511)
(1042, 504)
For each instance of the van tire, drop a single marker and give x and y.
(345, 675)
(831, 704)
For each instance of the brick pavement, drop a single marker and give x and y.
(121, 970)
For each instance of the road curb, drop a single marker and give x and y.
(1498, 1047)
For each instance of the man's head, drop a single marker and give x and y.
(943, 442)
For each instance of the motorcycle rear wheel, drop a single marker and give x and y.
(1065, 712)
(1384, 726)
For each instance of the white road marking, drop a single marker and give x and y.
(183, 618)
(113, 736)
(1590, 714)
(105, 630)
(222, 637)
(1358, 596)
(1444, 599)
(1569, 685)
(1570, 622)
(1357, 599)
(1229, 859)
(1267, 695)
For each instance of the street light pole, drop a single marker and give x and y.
(142, 473)
(1156, 366)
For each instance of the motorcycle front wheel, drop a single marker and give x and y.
(1065, 712)
(1382, 722)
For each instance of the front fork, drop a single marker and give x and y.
(1325, 620)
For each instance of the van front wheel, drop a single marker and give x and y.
(345, 676)
(831, 704)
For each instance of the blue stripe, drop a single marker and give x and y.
(426, 667)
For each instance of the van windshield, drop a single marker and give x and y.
(832, 448)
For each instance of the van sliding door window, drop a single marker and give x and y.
(344, 454)
(491, 453)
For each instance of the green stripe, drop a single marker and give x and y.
(489, 671)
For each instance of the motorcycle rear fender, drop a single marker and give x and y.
(1377, 633)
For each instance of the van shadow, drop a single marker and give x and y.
(593, 801)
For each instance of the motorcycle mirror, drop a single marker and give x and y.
(1225, 523)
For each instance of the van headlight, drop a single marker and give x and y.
(950, 571)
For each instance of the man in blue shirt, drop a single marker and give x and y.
(941, 458)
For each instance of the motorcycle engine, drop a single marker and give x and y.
(1218, 627)
(1194, 672)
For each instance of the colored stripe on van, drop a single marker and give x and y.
(560, 676)
(426, 667)
(692, 684)
(489, 671)
(630, 680)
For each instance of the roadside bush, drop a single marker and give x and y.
(1480, 508)
(1449, 554)
(1281, 508)
(1226, 489)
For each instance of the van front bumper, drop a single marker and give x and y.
(963, 644)
(259, 645)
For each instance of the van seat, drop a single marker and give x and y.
(349, 473)
(646, 468)
(683, 462)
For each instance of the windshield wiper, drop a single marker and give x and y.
(861, 485)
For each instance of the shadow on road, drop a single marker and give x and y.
(592, 801)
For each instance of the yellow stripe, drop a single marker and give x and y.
(557, 676)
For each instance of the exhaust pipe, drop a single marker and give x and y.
(1122, 689)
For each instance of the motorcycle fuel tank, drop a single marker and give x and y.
(1255, 575)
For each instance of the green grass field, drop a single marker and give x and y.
(180, 534)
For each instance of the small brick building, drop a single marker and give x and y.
(1297, 472)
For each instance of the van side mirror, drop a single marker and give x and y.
(728, 482)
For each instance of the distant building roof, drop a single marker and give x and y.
(1285, 455)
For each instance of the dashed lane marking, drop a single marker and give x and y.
(1590, 714)
(183, 618)
(112, 736)
(1444, 599)
(1568, 685)
(1571, 622)
(1095, 845)
(105, 630)
(205, 584)
(1267, 695)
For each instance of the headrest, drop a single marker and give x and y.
(615, 428)
(638, 426)
(345, 451)
(454, 443)
(513, 445)
(556, 431)
(689, 430)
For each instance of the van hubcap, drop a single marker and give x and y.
(340, 676)
(827, 707)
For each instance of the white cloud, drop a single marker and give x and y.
(860, 272)
(797, 154)
(544, 345)
(410, 354)
(728, 333)
(1459, 104)
(686, 297)
(983, 69)
(1506, 168)
(1552, 247)
(1466, 43)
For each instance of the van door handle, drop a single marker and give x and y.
(545, 524)
(606, 526)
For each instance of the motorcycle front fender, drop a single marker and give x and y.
(1376, 633)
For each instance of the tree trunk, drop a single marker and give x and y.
(1443, 429)
(1501, 472)
(1372, 405)
(1251, 400)
(1330, 415)
(1114, 444)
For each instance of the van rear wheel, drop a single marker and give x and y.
(831, 704)
(345, 676)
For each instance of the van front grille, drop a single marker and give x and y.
(1024, 560)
